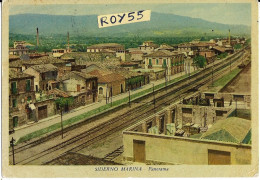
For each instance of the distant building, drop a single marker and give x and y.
(57, 53)
(148, 47)
(165, 47)
(108, 47)
(18, 51)
(172, 62)
(208, 54)
(136, 54)
(19, 48)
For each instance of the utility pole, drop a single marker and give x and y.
(236, 107)
(189, 69)
(111, 95)
(212, 76)
(12, 145)
(230, 64)
(61, 122)
(153, 97)
(129, 98)
(106, 96)
(166, 71)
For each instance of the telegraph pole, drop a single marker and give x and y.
(12, 145)
(230, 64)
(111, 95)
(153, 97)
(236, 107)
(129, 99)
(212, 76)
(61, 123)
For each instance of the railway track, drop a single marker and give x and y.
(115, 124)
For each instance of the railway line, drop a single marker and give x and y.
(167, 95)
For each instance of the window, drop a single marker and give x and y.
(43, 76)
(28, 85)
(150, 62)
(14, 103)
(157, 61)
(100, 90)
(15, 121)
(78, 87)
(13, 88)
(164, 63)
(29, 98)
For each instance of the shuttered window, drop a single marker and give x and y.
(13, 88)
(28, 85)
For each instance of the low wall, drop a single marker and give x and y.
(176, 150)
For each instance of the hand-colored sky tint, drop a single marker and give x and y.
(226, 13)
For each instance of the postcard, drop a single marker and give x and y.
(114, 88)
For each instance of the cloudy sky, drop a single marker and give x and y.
(226, 13)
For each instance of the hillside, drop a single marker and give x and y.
(160, 25)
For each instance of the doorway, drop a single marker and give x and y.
(139, 151)
(219, 157)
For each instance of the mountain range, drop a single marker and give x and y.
(160, 25)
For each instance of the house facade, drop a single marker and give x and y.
(109, 84)
(45, 75)
(109, 47)
(21, 99)
(172, 62)
(81, 86)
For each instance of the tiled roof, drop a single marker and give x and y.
(106, 77)
(81, 74)
(232, 129)
(84, 75)
(58, 92)
(162, 53)
(41, 68)
(165, 46)
(37, 61)
(44, 60)
(13, 57)
(18, 75)
(105, 45)
(111, 78)
(221, 49)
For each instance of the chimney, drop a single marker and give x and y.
(37, 37)
(229, 37)
(68, 38)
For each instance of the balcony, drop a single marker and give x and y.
(43, 97)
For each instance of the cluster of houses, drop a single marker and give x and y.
(104, 70)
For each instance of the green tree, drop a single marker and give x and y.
(200, 61)
(237, 46)
(61, 102)
(202, 39)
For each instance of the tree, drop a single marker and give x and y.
(237, 46)
(61, 102)
(202, 39)
(200, 61)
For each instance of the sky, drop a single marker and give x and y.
(225, 13)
